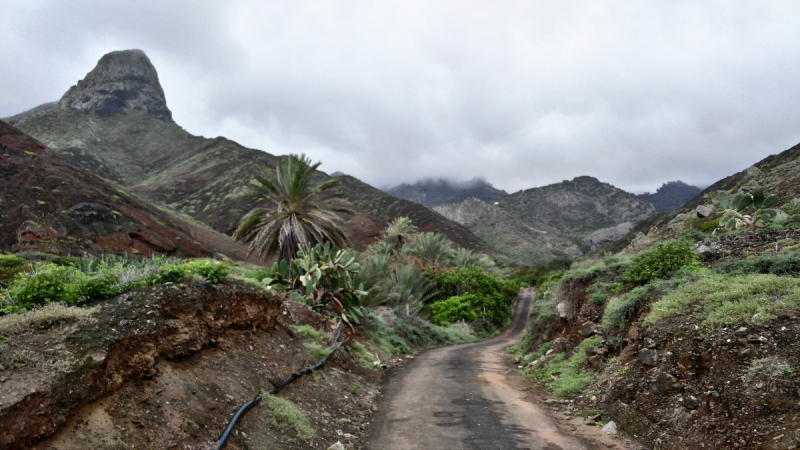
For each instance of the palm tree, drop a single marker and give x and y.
(296, 215)
(398, 233)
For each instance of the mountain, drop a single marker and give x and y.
(562, 219)
(670, 195)
(116, 123)
(51, 205)
(433, 193)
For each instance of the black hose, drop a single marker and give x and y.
(246, 407)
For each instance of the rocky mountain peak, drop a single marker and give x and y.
(122, 81)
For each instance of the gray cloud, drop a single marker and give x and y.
(521, 93)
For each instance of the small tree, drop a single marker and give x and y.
(295, 215)
(732, 210)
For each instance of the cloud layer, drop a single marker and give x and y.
(521, 93)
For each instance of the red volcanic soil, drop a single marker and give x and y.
(50, 204)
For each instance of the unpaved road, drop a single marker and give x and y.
(459, 397)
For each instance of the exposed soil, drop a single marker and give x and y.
(167, 366)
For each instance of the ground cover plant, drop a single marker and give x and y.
(572, 375)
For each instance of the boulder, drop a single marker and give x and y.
(610, 428)
(588, 328)
(595, 361)
(749, 187)
(663, 382)
(561, 345)
(704, 210)
(753, 172)
(563, 310)
(648, 357)
(709, 251)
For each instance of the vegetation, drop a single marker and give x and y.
(659, 262)
(571, 376)
(721, 300)
(732, 216)
(296, 214)
(285, 416)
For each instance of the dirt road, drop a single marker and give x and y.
(460, 397)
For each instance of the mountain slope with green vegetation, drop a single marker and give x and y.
(685, 319)
(137, 148)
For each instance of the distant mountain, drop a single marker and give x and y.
(671, 195)
(567, 218)
(443, 192)
(116, 123)
(51, 205)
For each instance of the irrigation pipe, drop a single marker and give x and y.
(246, 407)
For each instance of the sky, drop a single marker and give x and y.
(522, 93)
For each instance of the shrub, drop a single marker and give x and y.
(45, 283)
(719, 300)
(709, 225)
(211, 270)
(491, 298)
(786, 262)
(284, 415)
(659, 261)
(621, 308)
(10, 266)
(572, 378)
(453, 309)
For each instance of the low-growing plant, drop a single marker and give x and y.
(709, 225)
(285, 416)
(572, 376)
(721, 300)
(620, 309)
(453, 309)
(659, 262)
(732, 209)
(316, 350)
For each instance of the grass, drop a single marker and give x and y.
(363, 357)
(769, 368)
(620, 309)
(307, 331)
(285, 416)
(719, 300)
(44, 317)
(572, 378)
(316, 351)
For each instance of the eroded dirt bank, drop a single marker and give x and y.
(166, 367)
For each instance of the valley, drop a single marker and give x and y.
(152, 282)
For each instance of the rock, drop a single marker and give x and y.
(709, 251)
(640, 237)
(677, 415)
(690, 402)
(608, 235)
(563, 310)
(337, 446)
(375, 409)
(122, 81)
(2, 367)
(610, 428)
(561, 345)
(780, 214)
(588, 328)
(749, 187)
(595, 361)
(588, 421)
(744, 352)
(704, 210)
(741, 331)
(753, 172)
(679, 218)
(648, 357)
(590, 351)
(191, 387)
(663, 382)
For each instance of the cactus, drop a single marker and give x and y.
(732, 210)
(321, 275)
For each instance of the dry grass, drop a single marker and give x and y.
(44, 317)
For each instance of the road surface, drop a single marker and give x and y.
(459, 397)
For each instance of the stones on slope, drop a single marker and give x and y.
(709, 249)
(704, 210)
(608, 235)
(648, 357)
(122, 81)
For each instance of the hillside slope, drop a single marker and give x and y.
(50, 204)
(432, 193)
(562, 219)
(135, 143)
(670, 195)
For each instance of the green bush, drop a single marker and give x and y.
(492, 298)
(10, 266)
(571, 376)
(786, 262)
(46, 283)
(659, 262)
(211, 270)
(454, 309)
(709, 225)
(621, 308)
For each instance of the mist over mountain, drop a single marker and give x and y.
(670, 195)
(435, 192)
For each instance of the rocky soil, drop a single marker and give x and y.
(167, 366)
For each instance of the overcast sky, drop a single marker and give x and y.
(522, 93)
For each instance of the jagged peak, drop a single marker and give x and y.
(122, 81)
